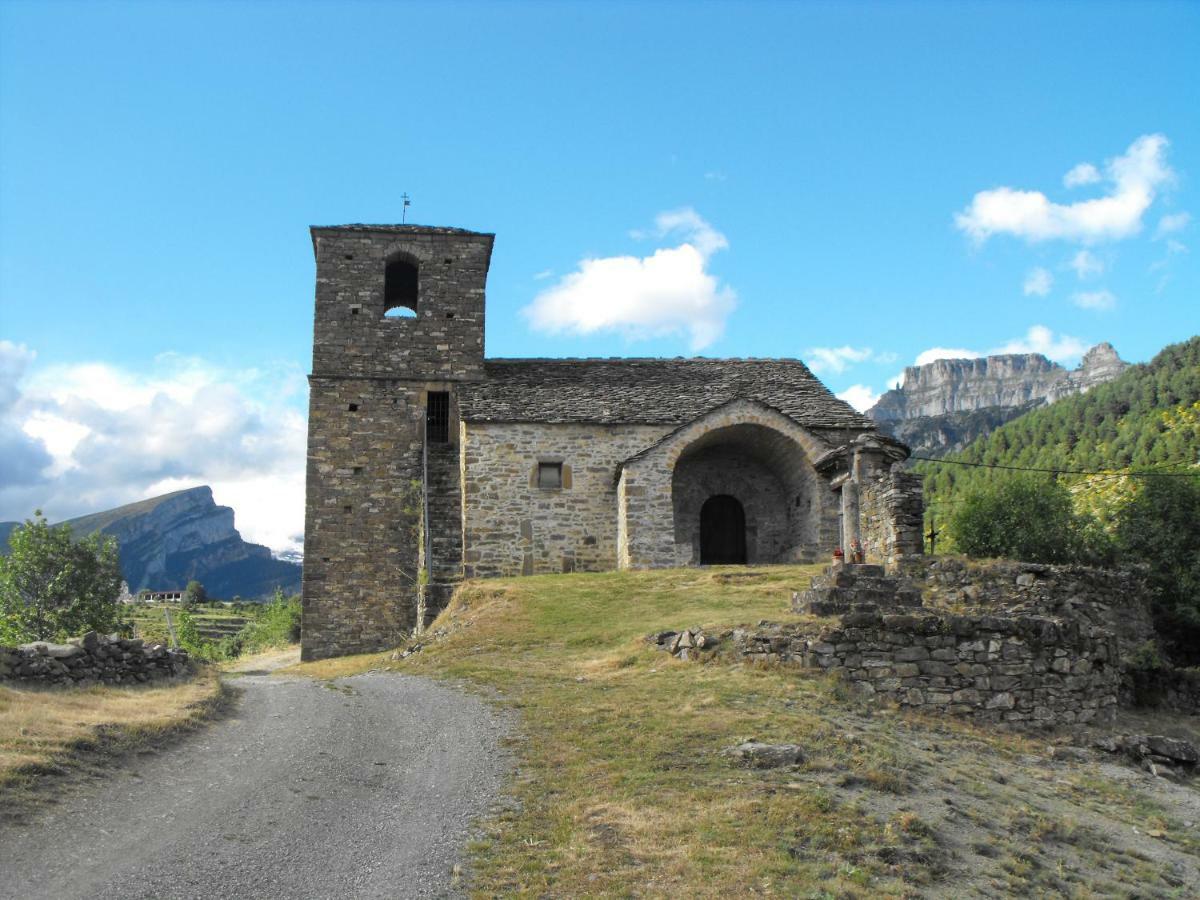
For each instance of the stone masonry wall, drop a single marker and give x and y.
(1023, 670)
(360, 553)
(513, 527)
(352, 336)
(91, 659)
(892, 511)
(1115, 599)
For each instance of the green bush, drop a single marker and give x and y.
(277, 624)
(53, 587)
(1160, 528)
(1022, 517)
(195, 644)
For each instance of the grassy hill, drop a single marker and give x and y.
(1147, 419)
(621, 788)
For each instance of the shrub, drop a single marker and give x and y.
(1160, 527)
(277, 624)
(53, 586)
(1021, 517)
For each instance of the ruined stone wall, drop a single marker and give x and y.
(1116, 599)
(513, 527)
(891, 511)
(91, 659)
(1025, 670)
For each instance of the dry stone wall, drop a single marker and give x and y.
(91, 659)
(1115, 599)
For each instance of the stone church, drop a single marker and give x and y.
(429, 463)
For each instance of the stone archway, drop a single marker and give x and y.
(744, 449)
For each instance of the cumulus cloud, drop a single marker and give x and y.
(1133, 180)
(1169, 224)
(1040, 339)
(1084, 173)
(859, 396)
(835, 359)
(1086, 265)
(666, 293)
(934, 353)
(1102, 299)
(109, 436)
(1038, 282)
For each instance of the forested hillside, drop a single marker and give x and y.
(1148, 419)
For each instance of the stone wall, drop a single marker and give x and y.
(369, 387)
(351, 334)
(1022, 670)
(892, 511)
(513, 527)
(1115, 599)
(92, 659)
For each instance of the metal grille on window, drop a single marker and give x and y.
(437, 417)
(549, 475)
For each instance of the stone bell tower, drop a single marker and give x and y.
(399, 324)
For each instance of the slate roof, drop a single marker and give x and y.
(647, 391)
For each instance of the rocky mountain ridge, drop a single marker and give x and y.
(167, 541)
(943, 406)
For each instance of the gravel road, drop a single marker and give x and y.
(361, 787)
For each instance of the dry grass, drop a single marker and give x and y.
(52, 731)
(622, 789)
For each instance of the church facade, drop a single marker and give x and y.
(429, 463)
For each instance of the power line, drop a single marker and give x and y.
(959, 462)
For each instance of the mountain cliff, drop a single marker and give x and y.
(167, 541)
(943, 406)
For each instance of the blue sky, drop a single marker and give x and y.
(854, 184)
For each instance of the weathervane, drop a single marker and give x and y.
(404, 208)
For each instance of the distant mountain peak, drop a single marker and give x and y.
(945, 404)
(169, 540)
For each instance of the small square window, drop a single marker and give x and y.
(353, 407)
(549, 475)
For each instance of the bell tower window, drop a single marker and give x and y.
(400, 283)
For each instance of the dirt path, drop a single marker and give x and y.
(363, 787)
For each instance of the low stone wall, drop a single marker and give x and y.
(92, 659)
(1024, 670)
(1116, 599)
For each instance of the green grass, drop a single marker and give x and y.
(621, 788)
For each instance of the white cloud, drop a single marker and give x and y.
(859, 396)
(1040, 339)
(668, 292)
(1102, 299)
(1086, 264)
(935, 353)
(109, 436)
(714, 176)
(1134, 179)
(543, 275)
(1038, 282)
(835, 359)
(1169, 224)
(1084, 173)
